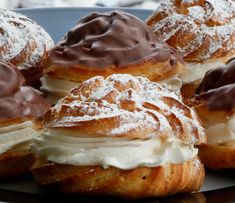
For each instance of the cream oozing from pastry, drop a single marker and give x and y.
(196, 71)
(174, 83)
(221, 132)
(15, 134)
(56, 88)
(122, 153)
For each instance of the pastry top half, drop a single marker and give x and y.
(112, 42)
(217, 88)
(122, 121)
(200, 29)
(130, 107)
(23, 43)
(18, 101)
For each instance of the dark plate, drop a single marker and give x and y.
(218, 186)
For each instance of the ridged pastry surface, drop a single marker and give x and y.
(22, 42)
(142, 182)
(200, 29)
(125, 106)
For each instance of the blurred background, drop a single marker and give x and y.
(11, 4)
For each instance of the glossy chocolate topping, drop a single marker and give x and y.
(218, 87)
(100, 40)
(16, 99)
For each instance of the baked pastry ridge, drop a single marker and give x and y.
(105, 44)
(24, 43)
(115, 130)
(203, 31)
(21, 108)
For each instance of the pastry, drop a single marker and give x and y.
(23, 43)
(215, 104)
(202, 30)
(21, 108)
(122, 136)
(104, 44)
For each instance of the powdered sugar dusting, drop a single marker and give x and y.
(134, 105)
(219, 10)
(189, 1)
(205, 28)
(197, 12)
(20, 38)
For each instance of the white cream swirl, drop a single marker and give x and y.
(196, 71)
(56, 88)
(121, 153)
(221, 132)
(16, 134)
(174, 83)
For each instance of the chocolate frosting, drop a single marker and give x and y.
(100, 40)
(16, 99)
(218, 87)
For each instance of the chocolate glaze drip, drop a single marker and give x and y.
(16, 99)
(218, 87)
(114, 38)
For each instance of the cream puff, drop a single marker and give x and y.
(24, 43)
(215, 104)
(202, 30)
(104, 44)
(122, 136)
(21, 111)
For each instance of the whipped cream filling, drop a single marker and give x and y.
(56, 88)
(16, 134)
(121, 153)
(174, 83)
(222, 132)
(196, 71)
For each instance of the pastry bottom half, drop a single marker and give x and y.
(17, 162)
(218, 156)
(140, 182)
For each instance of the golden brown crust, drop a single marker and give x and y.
(220, 156)
(188, 91)
(33, 74)
(136, 183)
(196, 28)
(155, 71)
(125, 106)
(19, 158)
(24, 44)
(13, 163)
